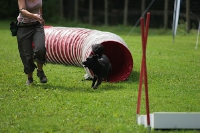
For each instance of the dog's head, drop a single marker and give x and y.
(90, 61)
(97, 49)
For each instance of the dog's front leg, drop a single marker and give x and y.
(93, 81)
(98, 83)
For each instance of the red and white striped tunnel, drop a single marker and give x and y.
(71, 46)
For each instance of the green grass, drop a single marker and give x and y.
(67, 104)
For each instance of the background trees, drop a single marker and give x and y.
(109, 12)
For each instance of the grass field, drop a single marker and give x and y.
(67, 104)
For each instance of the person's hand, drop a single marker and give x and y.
(39, 18)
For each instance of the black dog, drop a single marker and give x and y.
(98, 49)
(100, 66)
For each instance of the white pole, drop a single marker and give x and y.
(197, 36)
(175, 18)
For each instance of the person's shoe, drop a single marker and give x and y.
(42, 76)
(29, 81)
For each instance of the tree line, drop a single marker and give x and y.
(109, 12)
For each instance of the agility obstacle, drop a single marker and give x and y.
(143, 71)
(160, 120)
(172, 120)
(71, 46)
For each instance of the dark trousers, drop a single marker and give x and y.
(31, 45)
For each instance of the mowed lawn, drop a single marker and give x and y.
(68, 104)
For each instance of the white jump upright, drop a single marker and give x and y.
(197, 36)
(172, 120)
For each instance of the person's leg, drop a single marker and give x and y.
(39, 66)
(30, 78)
(40, 52)
(41, 74)
(26, 52)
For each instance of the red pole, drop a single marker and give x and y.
(142, 67)
(140, 88)
(143, 72)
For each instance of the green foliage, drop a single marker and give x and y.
(68, 104)
(51, 10)
(10, 10)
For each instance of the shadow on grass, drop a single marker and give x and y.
(88, 89)
(86, 85)
(133, 78)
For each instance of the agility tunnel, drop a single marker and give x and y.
(71, 46)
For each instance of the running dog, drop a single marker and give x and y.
(100, 66)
